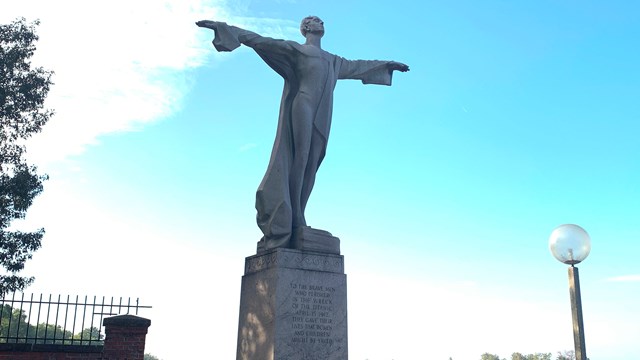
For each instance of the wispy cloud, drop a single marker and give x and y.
(277, 28)
(118, 64)
(625, 278)
(247, 147)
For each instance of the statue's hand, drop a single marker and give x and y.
(210, 24)
(393, 65)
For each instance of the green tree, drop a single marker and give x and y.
(566, 355)
(23, 90)
(541, 356)
(14, 328)
(87, 334)
(150, 357)
(487, 356)
(12, 323)
(48, 334)
(536, 356)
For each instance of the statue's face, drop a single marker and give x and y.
(312, 24)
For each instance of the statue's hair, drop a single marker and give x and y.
(303, 24)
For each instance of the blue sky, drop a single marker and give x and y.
(516, 117)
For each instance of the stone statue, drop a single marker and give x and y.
(310, 75)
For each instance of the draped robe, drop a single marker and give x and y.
(310, 75)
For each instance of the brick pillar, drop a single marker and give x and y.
(124, 337)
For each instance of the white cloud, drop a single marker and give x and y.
(118, 64)
(420, 317)
(625, 278)
(247, 147)
(93, 252)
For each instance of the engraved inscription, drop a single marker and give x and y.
(312, 309)
(290, 258)
(260, 263)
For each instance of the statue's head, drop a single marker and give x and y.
(312, 24)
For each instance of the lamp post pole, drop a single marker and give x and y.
(576, 313)
(570, 244)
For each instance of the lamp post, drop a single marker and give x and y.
(570, 244)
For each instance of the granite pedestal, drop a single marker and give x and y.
(293, 306)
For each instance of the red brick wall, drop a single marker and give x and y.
(49, 352)
(31, 355)
(124, 337)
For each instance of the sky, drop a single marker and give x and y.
(516, 117)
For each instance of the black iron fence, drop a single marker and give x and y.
(58, 320)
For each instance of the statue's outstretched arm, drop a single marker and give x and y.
(242, 34)
(394, 65)
(209, 24)
(229, 37)
(370, 71)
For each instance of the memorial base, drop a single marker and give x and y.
(293, 306)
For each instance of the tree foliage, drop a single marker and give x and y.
(23, 90)
(487, 356)
(565, 355)
(15, 328)
(536, 356)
